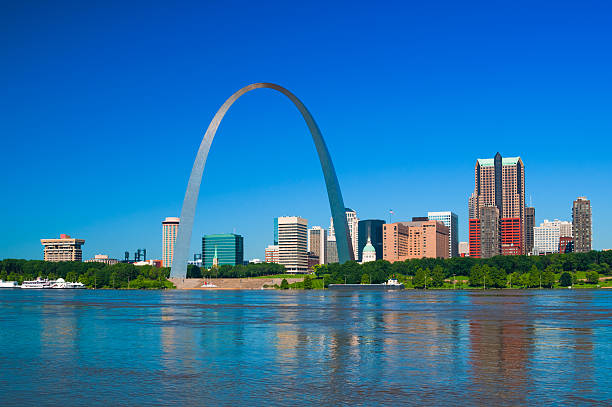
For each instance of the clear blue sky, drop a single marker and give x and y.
(103, 107)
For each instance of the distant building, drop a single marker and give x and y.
(331, 251)
(222, 249)
(451, 221)
(313, 260)
(500, 183)
(292, 243)
(582, 226)
(102, 258)
(255, 261)
(489, 232)
(368, 253)
(154, 263)
(272, 254)
(63, 249)
(464, 249)
(370, 229)
(169, 233)
(566, 244)
(317, 242)
(353, 227)
(529, 225)
(547, 236)
(275, 231)
(414, 240)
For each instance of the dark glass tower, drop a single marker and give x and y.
(372, 228)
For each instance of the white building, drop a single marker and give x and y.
(292, 243)
(102, 258)
(451, 221)
(546, 236)
(464, 249)
(169, 232)
(368, 253)
(353, 226)
(272, 253)
(317, 242)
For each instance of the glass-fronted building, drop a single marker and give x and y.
(372, 228)
(451, 221)
(228, 248)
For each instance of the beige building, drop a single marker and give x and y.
(414, 240)
(63, 249)
(292, 243)
(102, 258)
(169, 233)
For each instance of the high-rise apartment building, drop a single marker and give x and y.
(582, 226)
(451, 221)
(317, 242)
(353, 227)
(272, 254)
(169, 232)
(370, 229)
(529, 225)
(292, 243)
(414, 240)
(489, 232)
(500, 183)
(63, 249)
(221, 249)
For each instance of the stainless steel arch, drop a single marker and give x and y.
(336, 203)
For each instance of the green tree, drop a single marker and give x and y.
(497, 277)
(418, 281)
(534, 277)
(514, 279)
(592, 277)
(284, 284)
(71, 277)
(307, 283)
(475, 279)
(365, 278)
(548, 278)
(437, 276)
(565, 280)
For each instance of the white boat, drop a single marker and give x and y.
(75, 285)
(36, 284)
(9, 284)
(61, 283)
(208, 284)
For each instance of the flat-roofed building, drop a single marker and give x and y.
(272, 253)
(169, 232)
(293, 243)
(414, 240)
(451, 221)
(582, 226)
(226, 248)
(102, 258)
(317, 242)
(63, 249)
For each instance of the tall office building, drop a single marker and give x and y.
(353, 227)
(292, 243)
(169, 232)
(485, 234)
(63, 249)
(275, 231)
(529, 225)
(317, 242)
(451, 221)
(500, 183)
(372, 229)
(220, 249)
(331, 251)
(414, 240)
(582, 226)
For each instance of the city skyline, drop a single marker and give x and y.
(127, 132)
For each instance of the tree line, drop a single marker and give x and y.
(93, 275)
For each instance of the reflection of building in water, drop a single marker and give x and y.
(500, 346)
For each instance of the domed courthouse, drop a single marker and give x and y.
(369, 252)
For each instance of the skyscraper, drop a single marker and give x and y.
(292, 243)
(529, 225)
(372, 229)
(500, 183)
(169, 231)
(63, 249)
(489, 232)
(353, 227)
(227, 247)
(317, 242)
(451, 221)
(582, 226)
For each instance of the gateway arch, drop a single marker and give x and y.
(336, 203)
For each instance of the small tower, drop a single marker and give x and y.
(369, 252)
(215, 259)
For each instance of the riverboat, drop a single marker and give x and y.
(39, 283)
(390, 285)
(9, 284)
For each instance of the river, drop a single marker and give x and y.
(106, 347)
